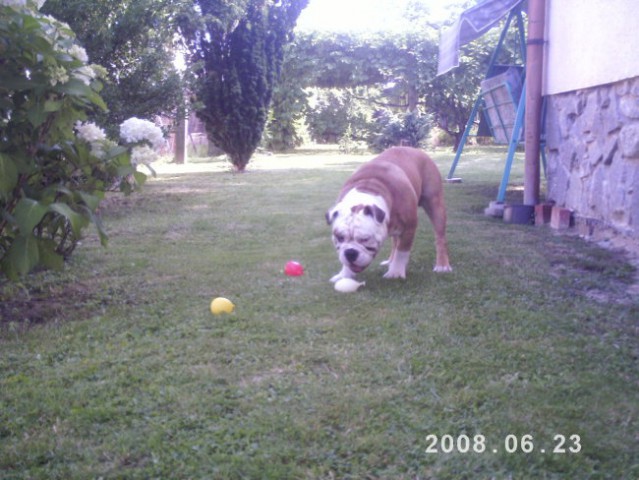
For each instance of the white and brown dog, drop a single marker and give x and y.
(381, 199)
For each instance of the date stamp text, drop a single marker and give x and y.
(559, 444)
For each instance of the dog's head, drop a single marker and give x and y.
(359, 229)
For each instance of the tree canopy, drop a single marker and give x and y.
(134, 40)
(249, 70)
(395, 72)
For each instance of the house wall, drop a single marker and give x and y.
(590, 43)
(592, 120)
(592, 141)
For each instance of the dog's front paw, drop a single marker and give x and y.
(336, 278)
(442, 268)
(344, 273)
(395, 274)
(398, 264)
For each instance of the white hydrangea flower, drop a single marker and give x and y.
(84, 74)
(76, 51)
(142, 155)
(90, 132)
(135, 130)
(94, 135)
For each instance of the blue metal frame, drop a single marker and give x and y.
(515, 13)
(512, 146)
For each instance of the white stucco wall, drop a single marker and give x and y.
(589, 43)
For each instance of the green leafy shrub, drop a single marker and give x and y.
(51, 180)
(409, 129)
(332, 112)
(349, 145)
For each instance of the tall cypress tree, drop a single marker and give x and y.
(240, 63)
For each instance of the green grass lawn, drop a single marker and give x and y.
(115, 368)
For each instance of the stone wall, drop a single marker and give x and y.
(592, 141)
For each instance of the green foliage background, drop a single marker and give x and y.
(134, 40)
(387, 73)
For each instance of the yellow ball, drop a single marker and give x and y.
(221, 305)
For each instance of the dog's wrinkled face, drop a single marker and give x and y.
(359, 230)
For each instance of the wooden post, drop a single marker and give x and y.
(180, 140)
(534, 76)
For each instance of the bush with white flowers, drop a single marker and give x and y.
(135, 130)
(91, 133)
(147, 138)
(142, 137)
(55, 167)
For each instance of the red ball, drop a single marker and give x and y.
(293, 269)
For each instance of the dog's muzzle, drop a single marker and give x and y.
(351, 255)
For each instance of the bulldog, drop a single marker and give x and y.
(381, 199)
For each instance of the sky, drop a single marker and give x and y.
(361, 15)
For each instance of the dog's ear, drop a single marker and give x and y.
(331, 215)
(374, 211)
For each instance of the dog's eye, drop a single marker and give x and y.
(339, 238)
(371, 249)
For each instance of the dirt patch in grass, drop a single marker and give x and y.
(46, 304)
(117, 205)
(614, 258)
(49, 301)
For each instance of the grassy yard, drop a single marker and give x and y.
(115, 368)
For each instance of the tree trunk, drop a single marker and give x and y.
(412, 98)
(240, 162)
(180, 140)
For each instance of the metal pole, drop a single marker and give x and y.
(534, 72)
(462, 142)
(478, 102)
(512, 146)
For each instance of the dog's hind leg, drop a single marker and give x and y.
(436, 211)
